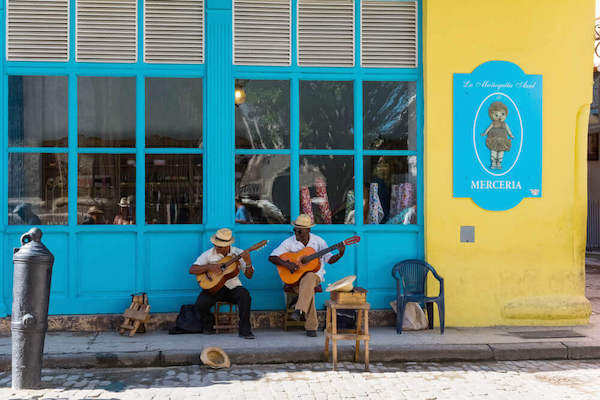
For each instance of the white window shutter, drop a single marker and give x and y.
(106, 31)
(261, 32)
(389, 34)
(326, 33)
(174, 31)
(37, 30)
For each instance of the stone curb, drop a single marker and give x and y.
(418, 353)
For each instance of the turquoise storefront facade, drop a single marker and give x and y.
(97, 267)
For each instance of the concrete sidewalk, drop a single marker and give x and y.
(108, 349)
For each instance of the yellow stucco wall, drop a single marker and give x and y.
(527, 264)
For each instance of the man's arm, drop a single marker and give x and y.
(341, 250)
(196, 269)
(288, 264)
(248, 268)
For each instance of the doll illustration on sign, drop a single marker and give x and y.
(498, 134)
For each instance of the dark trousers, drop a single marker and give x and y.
(238, 295)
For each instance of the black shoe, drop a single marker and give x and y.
(178, 331)
(311, 333)
(296, 315)
(247, 336)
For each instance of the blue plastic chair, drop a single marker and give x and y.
(411, 276)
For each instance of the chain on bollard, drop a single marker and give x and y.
(31, 295)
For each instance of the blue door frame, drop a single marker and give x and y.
(97, 267)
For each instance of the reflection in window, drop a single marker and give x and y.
(390, 190)
(37, 189)
(262, 184)
(174, 112)
(106, 111)
(174, 189)
(389, 115)
(326, 115)
(327, 188)
(106, 189)
(262, 114)
(37, 111)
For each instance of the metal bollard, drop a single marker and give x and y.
(31, 295)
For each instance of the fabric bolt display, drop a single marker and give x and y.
(305, 202)
(408, 195)
(396, 200)
(375, 208)
(404, 217)
(321, 190)
(349, 213)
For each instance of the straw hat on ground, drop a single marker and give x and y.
(223, 238)
(303, 221)
(343, 285)
(215, 357)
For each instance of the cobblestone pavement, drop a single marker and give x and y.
(529, 380)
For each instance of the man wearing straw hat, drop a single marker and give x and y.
(233, 291)
(306, 288)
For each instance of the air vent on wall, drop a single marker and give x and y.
(261, 32)
(37, 30)
(174, 31)
(326, 33)
(106, 30)
(389, 34)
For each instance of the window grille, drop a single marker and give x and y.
(326, 33)
(106, 30)
(261, 32)
(174, 31)
(37, 30)
(389, 34)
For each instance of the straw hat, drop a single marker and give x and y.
(303, 221)
(343, 285)
(222, 238)
(124, 202)
(94, 210)
(215, 357)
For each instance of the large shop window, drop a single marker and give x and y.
(389, 182)
(262, 180)
(37, 181)
(326, 124)
(174, 122)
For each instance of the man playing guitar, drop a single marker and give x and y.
(232, 291)
(306, 288)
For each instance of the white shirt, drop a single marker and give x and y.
(292, 245)
(212, 257)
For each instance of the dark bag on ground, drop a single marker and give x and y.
(190, 320)
(346, 319)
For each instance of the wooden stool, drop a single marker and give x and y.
(136, 315)
(225, 320)
(360, 333)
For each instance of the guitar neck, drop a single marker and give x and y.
(320, 253)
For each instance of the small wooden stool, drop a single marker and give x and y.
(225, 320)
(360, 333)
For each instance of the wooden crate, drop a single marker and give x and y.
(353, 297)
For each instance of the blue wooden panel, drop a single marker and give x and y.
(58, 244)
(169, 257)
(384, 249)
(106, 263)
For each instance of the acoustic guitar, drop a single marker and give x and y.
(308, 261)
(229, 267)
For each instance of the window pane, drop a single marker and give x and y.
(389, 115)
(37, 189)
(174, 189)
(106, 111)
(37, 111)
(326, 115)
(262, 188)
(390, 190)
(327, 188)
(106, 189)
(262, 114)
(174, 112)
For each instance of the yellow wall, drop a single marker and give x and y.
(527, 264)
